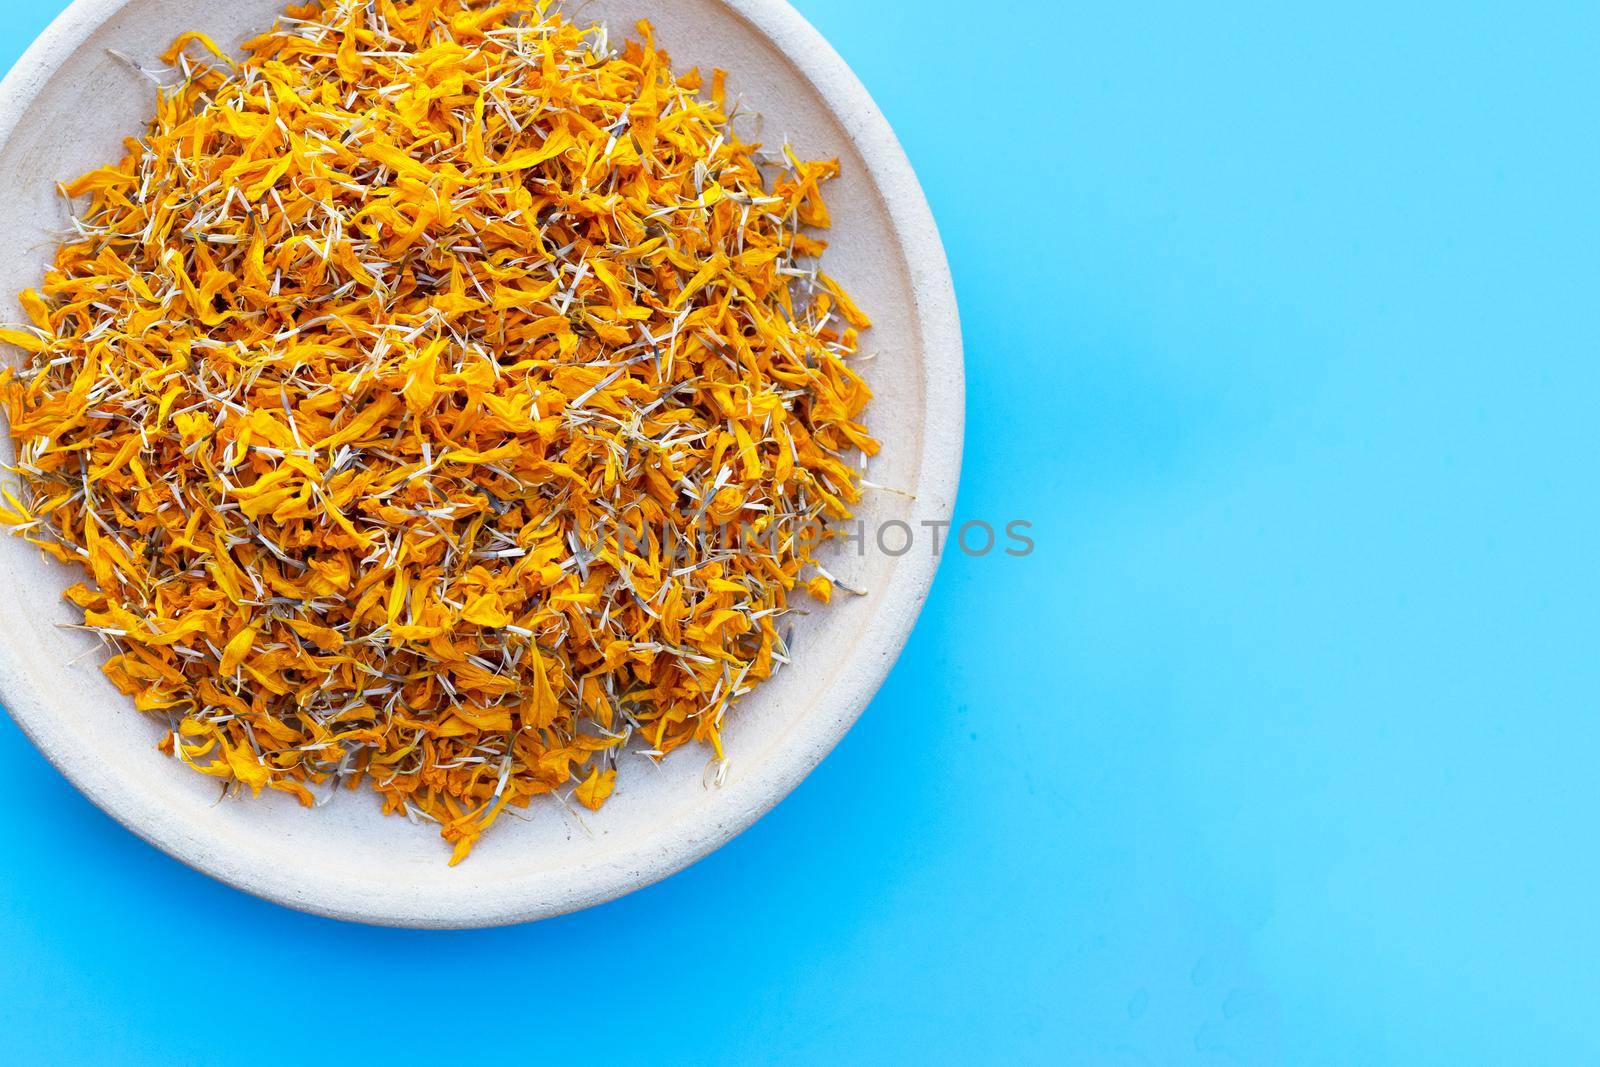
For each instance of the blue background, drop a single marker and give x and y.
(1281, 326)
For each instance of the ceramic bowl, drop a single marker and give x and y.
(64, 110)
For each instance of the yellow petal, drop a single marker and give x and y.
(596, 788)
(234, 653)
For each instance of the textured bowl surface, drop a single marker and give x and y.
(65, 109)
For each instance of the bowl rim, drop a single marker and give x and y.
(734, 808)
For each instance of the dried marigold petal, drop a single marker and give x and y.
(405, 391)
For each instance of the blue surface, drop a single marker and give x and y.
(1281, 748)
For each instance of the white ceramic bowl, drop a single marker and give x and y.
(64, 110)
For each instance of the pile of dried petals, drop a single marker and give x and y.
(398, 391)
